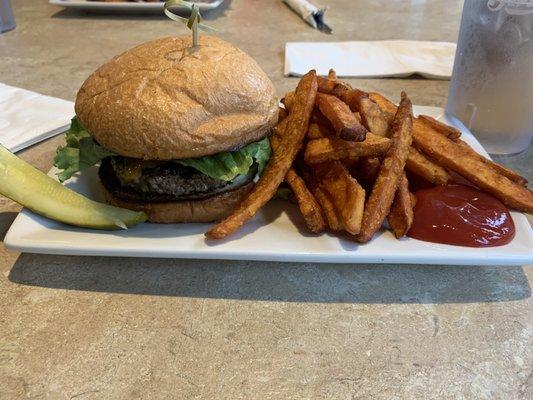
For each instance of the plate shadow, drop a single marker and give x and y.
(268, 281)
(6, 220)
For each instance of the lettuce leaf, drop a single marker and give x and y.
(68, 160)
(82, 152)
(284, 193)
(260, 152)
(226, 166)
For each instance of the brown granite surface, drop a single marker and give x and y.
(118, 328)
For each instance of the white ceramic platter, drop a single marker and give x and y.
(277, 233)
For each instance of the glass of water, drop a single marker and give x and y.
(491, 90)
(7, 20)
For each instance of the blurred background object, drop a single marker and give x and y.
(126, 6)
(310, 13)
(7, 19)
(492, 84)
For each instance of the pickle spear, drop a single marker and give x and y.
(35, 190)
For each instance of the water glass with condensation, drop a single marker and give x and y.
(7, 20)
(491, 90)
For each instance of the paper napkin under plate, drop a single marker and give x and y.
(27, 117)
(387, 58)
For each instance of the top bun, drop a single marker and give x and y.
(165, 100)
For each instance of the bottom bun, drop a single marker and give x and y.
(210, 209)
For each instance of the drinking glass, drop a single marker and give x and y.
(491, 90)
(7, 20)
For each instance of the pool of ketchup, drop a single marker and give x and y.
(461, 215)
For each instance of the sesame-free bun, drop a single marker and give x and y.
(165, 100)
(210, 209)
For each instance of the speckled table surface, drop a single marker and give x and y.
(119, 328)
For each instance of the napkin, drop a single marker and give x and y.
(387, 58)
(27, 117)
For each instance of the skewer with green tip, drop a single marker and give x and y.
(40, 193)
(193, 22)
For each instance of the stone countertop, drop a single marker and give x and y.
(119, 328)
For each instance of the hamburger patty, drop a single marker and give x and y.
(162, 182)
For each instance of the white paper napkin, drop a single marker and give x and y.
(27, 117)
(387, 58)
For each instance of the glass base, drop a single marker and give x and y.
(507, 150)
(520, 143)
(4, 29)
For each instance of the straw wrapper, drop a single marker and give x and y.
(310, 14)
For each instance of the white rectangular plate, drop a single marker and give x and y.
(277, 233)
(128, 6)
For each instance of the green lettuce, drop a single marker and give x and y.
(82, 152)
(284, 193)
(226, 166)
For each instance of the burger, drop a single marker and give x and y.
(180, 132)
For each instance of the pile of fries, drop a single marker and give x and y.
(344, 154)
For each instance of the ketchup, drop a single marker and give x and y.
(461, 215)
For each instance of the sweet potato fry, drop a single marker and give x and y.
(416, 163)
(279, 131)
(326, 148)
(339, 90)
(317, 116)
(347, 195)
(307, 203)
(372, 117)
(502, 170)
(332, 75)
(343, 120)
(448, 131)
(288, 100)
(425, 123)
(385, 104)
(420, 165)
(309, 207)
(454, 157)
(341, 197)
(370, 167)
(351, 97)
(329, 210)
(319, 131)
(400, 217)
(333, 87)
(350, 164)
(282, 114)
(367, 170)
(331, 149)
(390, 173)
(281, 161)
(326, 85)
(375, 120)
(413, 198)
(421, 122)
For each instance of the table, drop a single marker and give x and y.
(118, 328)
